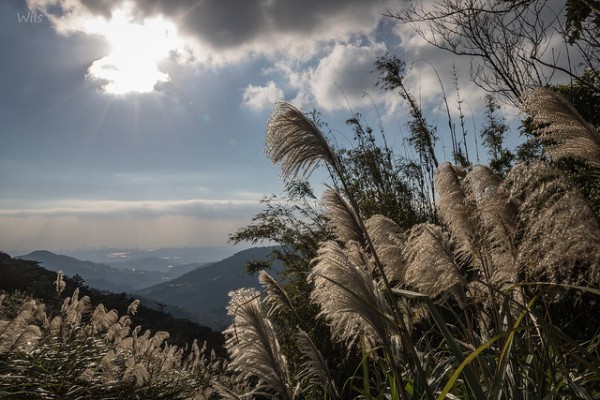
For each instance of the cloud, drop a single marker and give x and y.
(230, 30)
(114, 209)
(74, 231)
(262, 97)
(318, 42)
(345, 75)
(71, 224)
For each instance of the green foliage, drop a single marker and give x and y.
(493, 134)
(378, 180)
(579, 14)
(584, 95)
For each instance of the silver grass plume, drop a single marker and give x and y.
(27, 339)
(276, 297)
(351, 301)
(133, 307)
(430, 266)
(296, 142)
(253, 345)
(559, 231)
(22, 329)
(388, 238)
(315, 370)
(560, 122)
(102, 320)
(59, 283)
(496, 224)
(343, 220)
(228, 394)
(455, 210)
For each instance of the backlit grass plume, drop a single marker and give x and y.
(351, 301)
(254, 348)
(558, 121)
(315, 370)
(388, 239)
(455, 209)
(558, 230)
(496, 218)
(481, 220)
(296, 142)
(430, 264)
(342, 218)
(276, 297)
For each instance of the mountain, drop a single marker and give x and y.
(19, 276)
(99, 276)
(158, 264)
(175, 255)
(205, 290)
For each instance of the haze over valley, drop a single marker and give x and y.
(166, 281)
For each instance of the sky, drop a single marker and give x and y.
(141, 123)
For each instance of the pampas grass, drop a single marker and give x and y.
(343, 220)
(254, 348)
(556, 228)
(296, 142)
(388, 239)
(351, 301)
(430, 264)
(455, 209)
(90, 353)
(276, 298)
(315, 370)
(558, 121)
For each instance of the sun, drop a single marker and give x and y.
(135, 50)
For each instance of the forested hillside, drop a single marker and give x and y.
(27, 279)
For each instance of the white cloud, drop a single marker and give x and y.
(223, 32)
(345, 75)
(262, 97)
(116, 208)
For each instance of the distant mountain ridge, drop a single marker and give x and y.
(205, 290)
(200, 295)
(28, 277)
(158, 264)
(102, 276)
(176, 255)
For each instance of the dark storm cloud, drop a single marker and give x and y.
(234, 23)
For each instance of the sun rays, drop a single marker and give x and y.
(136, 49)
